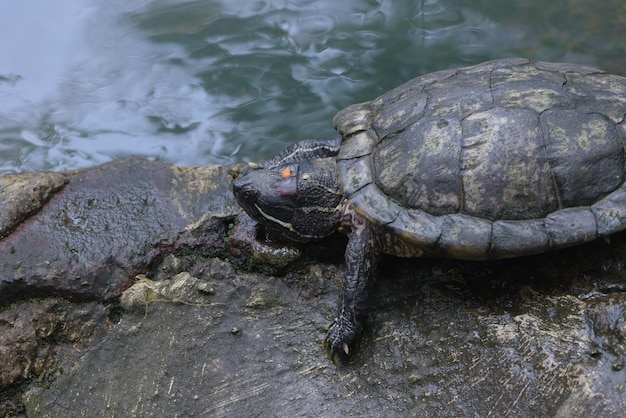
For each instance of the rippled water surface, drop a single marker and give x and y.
(209, 81)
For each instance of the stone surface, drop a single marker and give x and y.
(35, 335)
(444, 339)
(110, 223)
(189, 326)
(25, 194)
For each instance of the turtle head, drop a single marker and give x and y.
(300, 201)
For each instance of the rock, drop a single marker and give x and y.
(110, 223)
(440, 342)
(34, 335)
(24, 195)
(203, 328)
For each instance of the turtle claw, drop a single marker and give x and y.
(335, 357)
(337, 342)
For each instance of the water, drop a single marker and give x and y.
(222, 81)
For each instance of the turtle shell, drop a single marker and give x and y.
(502, 159)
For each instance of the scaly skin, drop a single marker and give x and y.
(361, 258)
(274, 178)
(303, 150)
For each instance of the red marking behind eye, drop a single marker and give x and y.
(286, 172)
(286, 190)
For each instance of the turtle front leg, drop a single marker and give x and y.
(361, 260)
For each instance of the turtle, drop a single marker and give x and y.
(507, 158)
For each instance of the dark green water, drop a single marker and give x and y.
(202, 82)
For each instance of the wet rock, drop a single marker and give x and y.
(219, 355)
(170, 266)
(110, 223)
(34, 335)
(209, 323)
(253, 346)
(22, 195)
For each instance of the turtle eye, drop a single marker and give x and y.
(249, 195)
